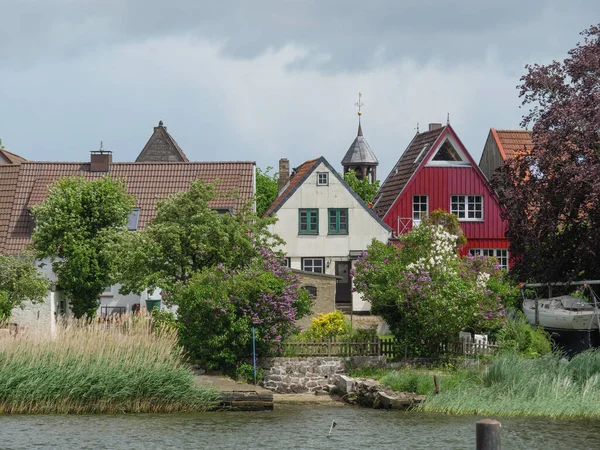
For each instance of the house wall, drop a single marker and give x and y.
(491, 158)
(40, 317)
(362, 227)
(439, 183)
(325, 300)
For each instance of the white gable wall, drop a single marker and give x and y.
(362, 227)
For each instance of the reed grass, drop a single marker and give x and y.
(512, 386)
(99, 368)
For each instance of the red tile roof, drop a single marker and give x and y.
(11, 157)
(296, 179)
(512, 142)
(26, 185)
(403, 170)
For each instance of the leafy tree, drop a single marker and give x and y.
(219, 306)
(266, 189)
(20, 281)
(75, 227)
(426, 292)
(187, 236)
(363, 188)
(552, 193)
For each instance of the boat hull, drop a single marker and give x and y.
(560, 319)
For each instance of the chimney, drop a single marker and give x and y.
(101, 160)
(284, 173)
(160, 125)
(434, 126)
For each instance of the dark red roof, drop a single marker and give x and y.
(25, 185)
(297, 178)
(512, 142)
(403, 170)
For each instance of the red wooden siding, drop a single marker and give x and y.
(439, 183)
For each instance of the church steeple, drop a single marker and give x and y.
(359, 156)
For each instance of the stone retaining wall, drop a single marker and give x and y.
(308, 374)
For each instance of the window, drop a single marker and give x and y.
(322, 179)
(134, 217)
(447, 153)
(108, 292)
(313, 265)
(467, 207)
(287, 262)
(338, 221)
(312, 291)
(420, 207)
(500, 253)
(308, 221)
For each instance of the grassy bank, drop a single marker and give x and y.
(90, 368)
(512, 386)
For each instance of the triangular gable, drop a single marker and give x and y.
(304, 172)
(410, 160)
(446, 154)
(449, 134)
(161, 147)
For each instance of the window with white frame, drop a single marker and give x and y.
(499, 253)
(108, 292)
(316, 265)
(467, 207)
(420, 207)
(322, 179)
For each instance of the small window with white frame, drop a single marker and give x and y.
(322, 179)
(420, 207)
(501, 254)
(108, 292)
(467, 207)
(316, 265)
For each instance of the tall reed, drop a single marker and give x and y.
(512, 386)
(95, 367)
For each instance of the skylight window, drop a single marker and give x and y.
(134, 218)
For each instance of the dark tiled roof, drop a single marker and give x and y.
(403, 170)
(296, 180)
(512, 142)
(360, 152)
(161, 147)
(27, 185)
(11, 157)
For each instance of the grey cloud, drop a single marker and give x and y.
(349, 31)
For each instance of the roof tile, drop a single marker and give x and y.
(512, 142)
(25, 185)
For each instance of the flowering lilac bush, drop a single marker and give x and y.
(218, 308)
(427, 293)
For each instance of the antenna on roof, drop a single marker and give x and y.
(101, 149)
(448, 119)
(417, 128)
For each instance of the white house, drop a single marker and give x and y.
(325, 225)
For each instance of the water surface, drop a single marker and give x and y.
(288, 427)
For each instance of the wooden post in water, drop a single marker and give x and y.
(488, 435)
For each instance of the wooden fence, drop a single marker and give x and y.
(388, 347)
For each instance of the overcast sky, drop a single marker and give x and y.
(261, 80)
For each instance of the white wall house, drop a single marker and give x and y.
(325, 226)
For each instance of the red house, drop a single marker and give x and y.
(437, 172)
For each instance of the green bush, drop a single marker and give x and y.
(519, 336)
(245, 373)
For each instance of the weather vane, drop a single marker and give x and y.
(359, 103)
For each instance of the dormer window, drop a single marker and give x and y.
(322, 179)
(133, 220)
